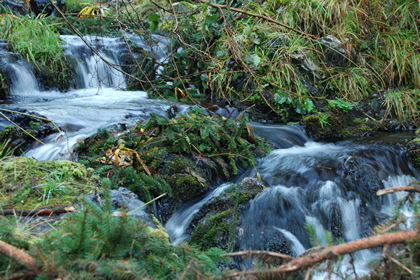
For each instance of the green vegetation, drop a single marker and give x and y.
(343, 68)
(218, 224)
(39, 43)
(93, 244)
(173, 155)
(27, 183)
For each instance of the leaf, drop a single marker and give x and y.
(154, 20)
(211, 19)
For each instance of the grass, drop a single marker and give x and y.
(402, 104)
(36, 40)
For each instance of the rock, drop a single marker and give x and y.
(132, 205)
(307, 64)
(16, 136)
(43, 6)
(15, 6)
(334, 53)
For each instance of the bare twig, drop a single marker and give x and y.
(15, 124)
(247, 254)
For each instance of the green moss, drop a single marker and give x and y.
(213, 232)
(29, 183)
(217, 225)
(185, 179)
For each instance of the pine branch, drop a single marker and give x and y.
(336, 251)
(18, 255)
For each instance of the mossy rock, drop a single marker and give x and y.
(185, 179)
(215, 225)
(214, 232)
(27, 183)
(413, 152)
(338, 123)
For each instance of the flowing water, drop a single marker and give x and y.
(97, 101)
(326, 187)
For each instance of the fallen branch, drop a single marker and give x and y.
(27, 275)
(18, 255)
(49, 210)
(399, 189)
(257, 253)
(336, 251)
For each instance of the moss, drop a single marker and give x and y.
(216, 224)
(214, 232)
(413, 151)
(27, 183)
(185, 178)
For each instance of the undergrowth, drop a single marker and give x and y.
(92, 243)
(140, 157)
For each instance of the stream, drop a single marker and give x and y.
(328, 187)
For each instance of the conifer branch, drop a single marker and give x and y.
(18, 255)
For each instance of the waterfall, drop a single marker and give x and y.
(329, 187)
(92, 71)
(23, 80)
(98, 100)
(177, 225)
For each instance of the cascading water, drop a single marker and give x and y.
(22, 79)
(92, 71)
(178, 224)
(96, 101)
(330, 187)
(324, 187)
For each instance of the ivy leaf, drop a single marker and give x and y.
(154, 20)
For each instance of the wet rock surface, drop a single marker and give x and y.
(19, 128)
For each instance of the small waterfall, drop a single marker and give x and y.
(96, 102)
(92, 71)
(23, 80)
(330, 188)
(297, 247)
(281, 136)
(179, 222)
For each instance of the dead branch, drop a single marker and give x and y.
(226, 7)
(49, 210)
(18, 255)
(399, 189)
(257, 253)
(336, 251)
(27, 275)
